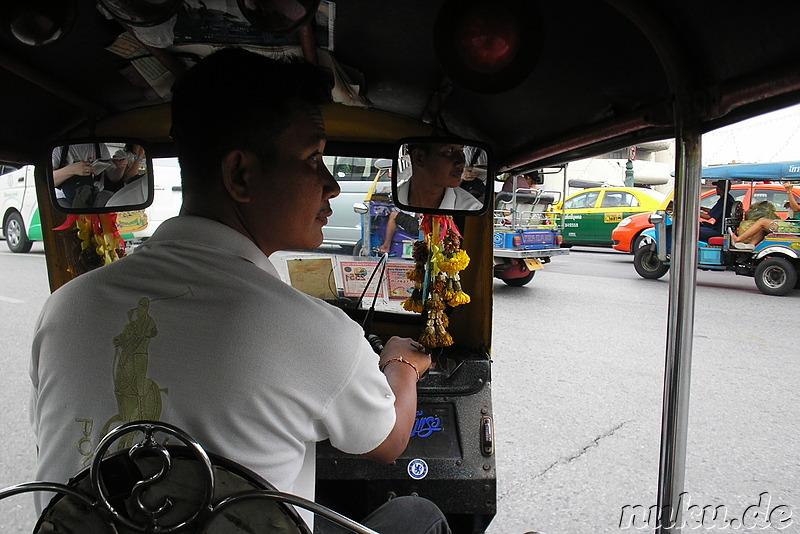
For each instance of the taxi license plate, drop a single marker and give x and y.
(533, 263)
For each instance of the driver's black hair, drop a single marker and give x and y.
(235, 99)
(425, 147)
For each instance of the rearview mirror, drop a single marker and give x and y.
(446, 176)
(100, 176)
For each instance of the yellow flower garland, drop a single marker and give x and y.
(100, 241)
(437, 284)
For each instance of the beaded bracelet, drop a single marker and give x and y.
(401, 360)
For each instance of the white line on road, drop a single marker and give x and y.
(10, 300)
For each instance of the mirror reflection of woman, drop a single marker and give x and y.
(135, 188)
(132, 186)
(76, 176)
(436, 173)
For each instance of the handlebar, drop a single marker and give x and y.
(375, 342)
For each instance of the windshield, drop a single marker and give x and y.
(339, 269)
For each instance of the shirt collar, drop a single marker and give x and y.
(208, 233)
(449, 199)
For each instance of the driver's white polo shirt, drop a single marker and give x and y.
(196, 329)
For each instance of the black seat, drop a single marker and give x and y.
(152, 487)
(537, 197)
(507, 196)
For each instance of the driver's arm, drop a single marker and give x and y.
(403, 380)
(716, 211)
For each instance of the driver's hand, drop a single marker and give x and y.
(409, 350)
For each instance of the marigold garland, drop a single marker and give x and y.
(438, 260)
(100, 240)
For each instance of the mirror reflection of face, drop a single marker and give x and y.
(442, 174)
(441, 165)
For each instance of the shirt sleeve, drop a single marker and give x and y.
(362, 415)
(56, 157)
(716, 210)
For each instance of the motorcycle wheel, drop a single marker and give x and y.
(642, 240)
(775, 276)
(647, 264)
(519, 282)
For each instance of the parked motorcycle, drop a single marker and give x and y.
(375, 212)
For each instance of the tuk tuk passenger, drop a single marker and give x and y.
(756, 233)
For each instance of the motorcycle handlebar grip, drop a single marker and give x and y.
(375, 342)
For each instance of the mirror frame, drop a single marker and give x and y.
(51, 188)
(490, 178)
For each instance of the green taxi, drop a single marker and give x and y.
(589, 216)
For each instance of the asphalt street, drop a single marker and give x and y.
(577, 381)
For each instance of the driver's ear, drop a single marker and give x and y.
(240, 170)
(418, 157)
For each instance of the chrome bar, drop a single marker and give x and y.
(297, 501)
(30, 487)
(680, 326)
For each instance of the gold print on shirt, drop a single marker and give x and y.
(85, 447)
(138, 396)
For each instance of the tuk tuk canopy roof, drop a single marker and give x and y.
(592, 76)
(785, 170)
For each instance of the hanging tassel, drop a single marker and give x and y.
(438, 261)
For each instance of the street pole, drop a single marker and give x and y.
(629, 174)
(629, 166)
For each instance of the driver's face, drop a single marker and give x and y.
(445, 164)
(293, 197)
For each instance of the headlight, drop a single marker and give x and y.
(624, 222)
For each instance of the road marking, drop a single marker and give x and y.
(10, 300)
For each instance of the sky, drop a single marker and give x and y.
(770, 137)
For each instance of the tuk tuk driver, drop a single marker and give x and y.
(717, 212)
(219, 346)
